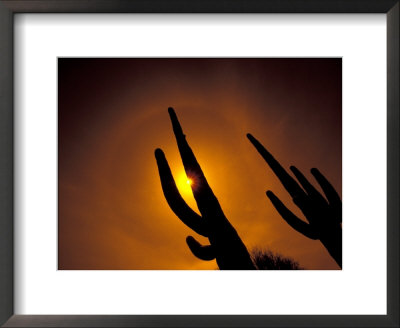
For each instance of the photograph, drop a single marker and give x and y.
(154, 155)
(199, 163)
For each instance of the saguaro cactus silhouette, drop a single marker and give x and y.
(225, 244)
(324, 215)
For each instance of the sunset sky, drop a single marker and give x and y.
(112, 115)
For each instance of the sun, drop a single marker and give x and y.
(184, 184)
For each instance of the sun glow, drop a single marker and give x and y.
(184, 184)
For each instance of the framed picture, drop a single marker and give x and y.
(96, 204)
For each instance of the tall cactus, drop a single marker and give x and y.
(324, 215)
(225, 244)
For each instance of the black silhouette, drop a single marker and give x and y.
(324, 215)
(267, 260)
(225, 244)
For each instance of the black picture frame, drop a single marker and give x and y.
(10, 7)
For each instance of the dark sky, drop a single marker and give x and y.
(112, 115)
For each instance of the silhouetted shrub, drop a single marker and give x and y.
(267, 260)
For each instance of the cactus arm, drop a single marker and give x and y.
(175, 200)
